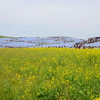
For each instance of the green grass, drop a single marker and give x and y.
(49, 74)
(4, 36)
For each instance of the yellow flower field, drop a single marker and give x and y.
(49, 74)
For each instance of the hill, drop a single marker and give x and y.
(53, 41)
(4, 36)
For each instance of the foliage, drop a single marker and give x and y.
(4, 36)
(49, 74)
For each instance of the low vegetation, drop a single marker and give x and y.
(4, 36)
(49, 74)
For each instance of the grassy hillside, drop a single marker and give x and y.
(49, 74)
(4, 36)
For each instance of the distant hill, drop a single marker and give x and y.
(52, 41)
(4, 36)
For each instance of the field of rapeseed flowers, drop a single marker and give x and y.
(49, 74)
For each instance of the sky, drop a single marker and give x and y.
(43, 18)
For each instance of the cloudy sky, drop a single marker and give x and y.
(33, 18)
